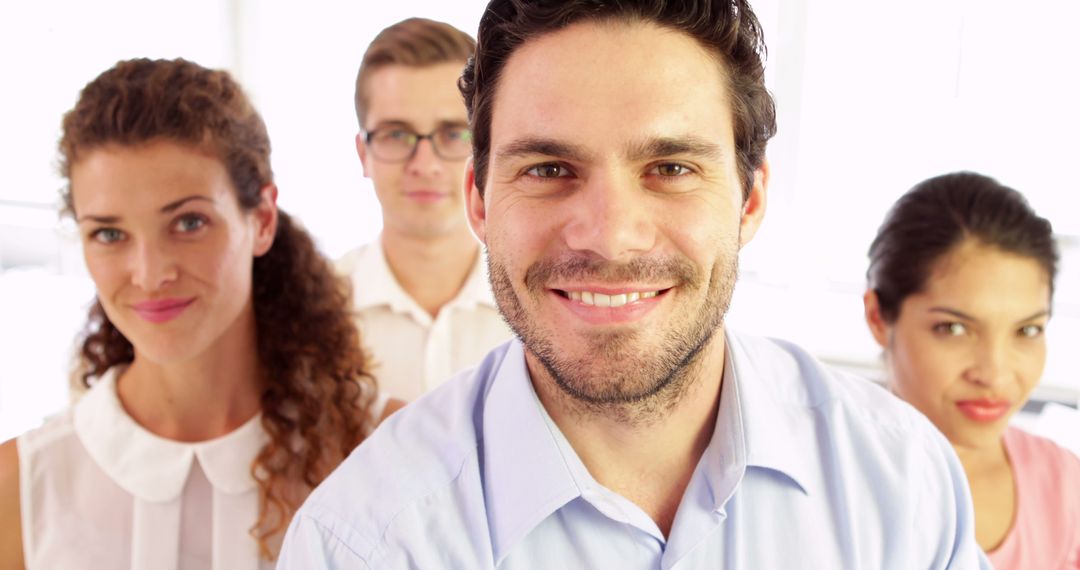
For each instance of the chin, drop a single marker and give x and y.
(976, 437)
(167, 350)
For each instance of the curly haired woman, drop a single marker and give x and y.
(225, 379)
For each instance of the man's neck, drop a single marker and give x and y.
(431, 270)
(202, 398)
(650, 463)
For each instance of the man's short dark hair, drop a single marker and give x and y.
(728, 29)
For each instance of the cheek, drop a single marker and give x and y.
(385, 178)
(225, 260)
(1032, 363)
(457, 179)
(523, 231)
(106, 271)
(702, 230)
(921, 370)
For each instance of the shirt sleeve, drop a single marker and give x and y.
(308, 544)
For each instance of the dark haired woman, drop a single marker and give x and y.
(960, 284)
(225, 378)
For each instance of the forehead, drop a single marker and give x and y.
(415, 94)
(115, 178)
(622, 77)
(986, 280)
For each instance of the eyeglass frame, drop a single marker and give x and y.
(369, 135)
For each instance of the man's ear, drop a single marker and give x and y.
(474, 203)
(361, 152)
(265, 217)
(874, 320)
(753, 208)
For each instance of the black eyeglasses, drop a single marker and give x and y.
(398, 144)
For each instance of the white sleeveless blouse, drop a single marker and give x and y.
(100, 491)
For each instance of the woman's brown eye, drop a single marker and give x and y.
(1031, 331)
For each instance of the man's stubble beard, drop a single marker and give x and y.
(614, 378)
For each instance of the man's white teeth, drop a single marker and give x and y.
(602, 300)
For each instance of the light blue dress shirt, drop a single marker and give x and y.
(807, 468)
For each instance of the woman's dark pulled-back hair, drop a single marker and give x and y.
(939, 214)
(728, 29)
(313, 405)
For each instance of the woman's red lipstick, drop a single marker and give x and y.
(162, 310)
(984, 410)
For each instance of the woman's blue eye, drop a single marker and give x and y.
(549, 170)
(188, 224)
(107, 235)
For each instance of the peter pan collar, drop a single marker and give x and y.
(153, 468)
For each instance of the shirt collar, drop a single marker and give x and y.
(151, 467)
(525, 476)
(375, 285)
(779, 431)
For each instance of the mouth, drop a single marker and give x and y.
(598, 299)
(427, 196)
(162, 310)
(984, 410)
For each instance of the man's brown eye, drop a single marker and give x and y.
(671, 169)
(546, 171)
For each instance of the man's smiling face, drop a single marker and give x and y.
(612, 212)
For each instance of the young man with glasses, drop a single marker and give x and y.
(420, 292)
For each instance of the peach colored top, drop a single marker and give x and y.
(1046, 530)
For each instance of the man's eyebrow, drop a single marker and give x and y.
(172, 206)
(391, 123)
(668, 146)
(541, 146)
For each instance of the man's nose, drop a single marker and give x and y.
(611, 217)
(424, 161)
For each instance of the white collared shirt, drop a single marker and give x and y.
(100, 491)
(412, 351)
(807, 468)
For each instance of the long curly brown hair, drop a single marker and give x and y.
(318, 392)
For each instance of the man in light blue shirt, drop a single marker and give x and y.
(619, 168)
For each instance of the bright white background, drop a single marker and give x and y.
(873, 96)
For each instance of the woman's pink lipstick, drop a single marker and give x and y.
(162, 310)
(985, 411)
